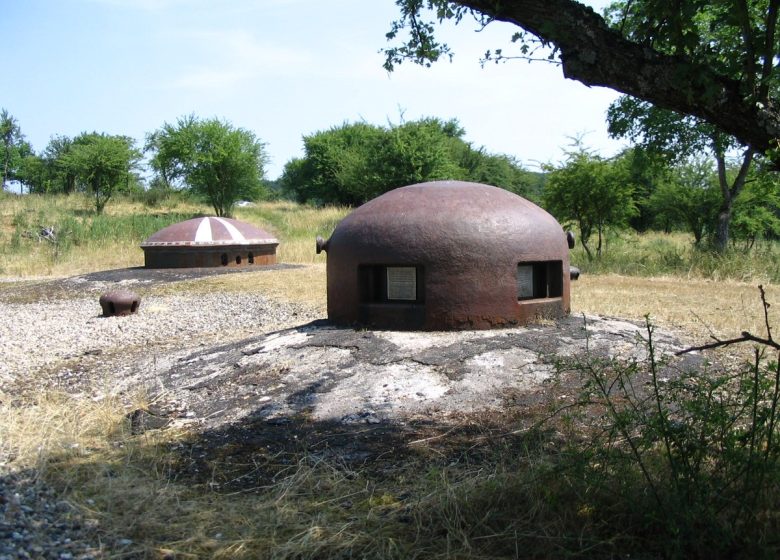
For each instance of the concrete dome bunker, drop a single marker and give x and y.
(209, 242)
(447, 255)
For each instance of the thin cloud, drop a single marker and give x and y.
(233, 57)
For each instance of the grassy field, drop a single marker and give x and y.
(487, 486)
(89, 242)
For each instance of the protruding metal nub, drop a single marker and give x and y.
(570, 239)
(574, 272)
(322, 245)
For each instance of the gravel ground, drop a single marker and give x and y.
(55, 335)
(35, 523)
(62, 335)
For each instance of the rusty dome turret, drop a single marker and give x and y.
(447, 255)
(209, 241)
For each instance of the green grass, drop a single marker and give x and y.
(90, 242)
(478, 488)
(658, 254)
(296, 225)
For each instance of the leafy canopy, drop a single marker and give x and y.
(212, 158)
(714, 60)
(101, 164)
(591, 192)
(352, 163)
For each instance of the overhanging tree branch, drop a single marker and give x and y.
(596, 55)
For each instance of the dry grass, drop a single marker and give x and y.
(421, 507)
(112, 241)
(296, 226)
(302, 284)
(129, 485)
(694, 306)
(311, 508)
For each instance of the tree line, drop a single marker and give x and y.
(208, 157)
(653, 185)
(700, 78)
(223, 164)
(352, 163)
(697, 76)
(645, 190)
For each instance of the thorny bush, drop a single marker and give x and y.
(682, 463)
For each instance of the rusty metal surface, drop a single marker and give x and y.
(225, 256)
(465, 240)
(208, 242)
(119, 302)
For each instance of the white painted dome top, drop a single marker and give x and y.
(210, 231)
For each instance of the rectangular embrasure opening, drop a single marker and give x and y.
(401, 283)
(537, 280)
(389, 284)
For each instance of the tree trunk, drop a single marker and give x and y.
(722, 228)
(729, 194)
(598, 247)
(595, 55)
(584, 236)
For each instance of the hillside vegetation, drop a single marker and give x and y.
(692, 472)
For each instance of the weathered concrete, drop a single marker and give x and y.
(334, 374)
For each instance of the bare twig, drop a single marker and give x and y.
(746, 336)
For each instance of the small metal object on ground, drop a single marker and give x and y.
(119, 302)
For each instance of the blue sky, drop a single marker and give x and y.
(281, 68)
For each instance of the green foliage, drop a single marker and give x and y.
(592, 193)
(214, 159)
(59, 177)
(720, 34)
(757, 209)
(353, 163)
(690, 460)
(421, 46)
(659, 131)
(12, 139)
(690, 197)
(102, 164)
(32, 173)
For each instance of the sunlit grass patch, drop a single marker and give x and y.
(660, 254)
(297, 227)
(87, 242)
(697, 306)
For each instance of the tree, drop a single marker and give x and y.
(757, 210)
(592, 192)
(727, 35)
(32, 172)
(690, 198)
(11, 137)
(653, 50)
(679, 138)
(353, 163)
(101, 164)
(212, 158)
(62, 178)
(647, 172)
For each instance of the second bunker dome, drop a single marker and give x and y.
(209, 242)
(447, 255)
